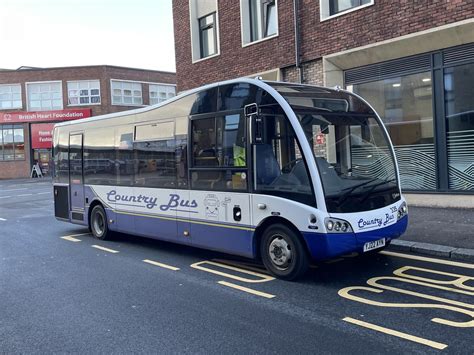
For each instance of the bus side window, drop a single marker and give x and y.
(280, 167)
(219, 159)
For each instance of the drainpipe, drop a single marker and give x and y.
(296, 10)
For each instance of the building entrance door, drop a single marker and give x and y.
(44, 159)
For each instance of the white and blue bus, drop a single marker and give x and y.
(283, 172)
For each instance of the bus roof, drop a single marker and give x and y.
(285, 89)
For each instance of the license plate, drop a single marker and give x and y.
(374, 245)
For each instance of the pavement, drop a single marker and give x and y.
(446, 232)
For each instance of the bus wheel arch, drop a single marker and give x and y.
(289, 236)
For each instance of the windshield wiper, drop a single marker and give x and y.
(373, 187)
(351, 189)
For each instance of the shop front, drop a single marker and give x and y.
(26, 139)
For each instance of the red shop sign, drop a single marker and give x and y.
(42, 135)
(41, 116)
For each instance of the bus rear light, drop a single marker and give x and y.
(335, 225)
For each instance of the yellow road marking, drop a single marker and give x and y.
(246, 289)
(75, 235)
(457, 281)
(431, 260)
(161, 265)
(375, 283)
(71, 239)
(433, 344)
(263, 278)
(345, 292)
(105, 249)
(247, 266)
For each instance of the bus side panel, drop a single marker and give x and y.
(230, 239)
(61, 202)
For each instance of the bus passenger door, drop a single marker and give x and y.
(76, 176)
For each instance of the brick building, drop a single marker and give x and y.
(412, 60)
(33, 99)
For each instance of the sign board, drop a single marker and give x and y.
(42, 116)
(42, 135)
(320, 139)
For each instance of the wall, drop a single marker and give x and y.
(234, 61)
(384, 20)
(102, 73)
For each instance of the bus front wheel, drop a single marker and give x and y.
(98, 223)
(282, 252)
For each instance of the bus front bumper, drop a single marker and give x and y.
(325, 246)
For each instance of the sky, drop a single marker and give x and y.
(56, 33)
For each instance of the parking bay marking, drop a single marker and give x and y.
(431, 260)
(105, 249)
(161, 265)
(71, 239)
(246, 289)
(433, 344)
(75, 235)
(262, 277)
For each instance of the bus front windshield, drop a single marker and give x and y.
(354, 159)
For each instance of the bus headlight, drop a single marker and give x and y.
(402, 211)
(336, 225)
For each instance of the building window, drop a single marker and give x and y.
(10, 97)
(45, 96)
(331, 8)
(405, 104)
(259, 20)
(207, 35)
(84, 92)
(160, 93)
(204, 26)
(12, 142)
(126, 93)
(459, 108)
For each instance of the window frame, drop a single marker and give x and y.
(150, 98)
(327, 6)
(202, 28)
(89, 95)
(246, 24)
(122, 95)
(191, 166)
(27, 89)
(13, 127)
(11, 99)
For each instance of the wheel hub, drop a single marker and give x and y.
(280, 251)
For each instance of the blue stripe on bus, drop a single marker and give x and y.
(222, 238)
(324, 246)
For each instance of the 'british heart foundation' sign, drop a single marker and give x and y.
(44, 116)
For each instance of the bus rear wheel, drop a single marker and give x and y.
(98, 223)
(282, 252)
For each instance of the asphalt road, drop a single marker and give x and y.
(66, 295)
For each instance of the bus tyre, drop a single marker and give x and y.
(282, 253)
(98, 223)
